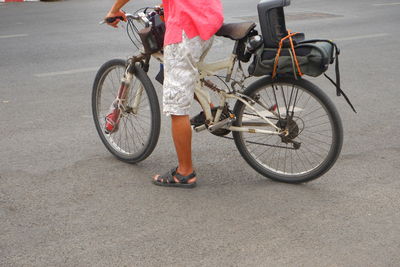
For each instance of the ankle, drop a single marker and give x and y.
(185, 171)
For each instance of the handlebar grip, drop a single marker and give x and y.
(113, 19)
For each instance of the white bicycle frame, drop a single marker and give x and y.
(210, 69)
(207, 70)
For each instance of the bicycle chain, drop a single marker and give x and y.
(256, 143)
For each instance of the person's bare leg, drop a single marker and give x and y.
(182, 136)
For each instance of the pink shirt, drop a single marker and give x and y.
(195, 17)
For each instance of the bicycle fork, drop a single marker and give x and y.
(123, 93)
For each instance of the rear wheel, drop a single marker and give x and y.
(138, 128)
(313, 138)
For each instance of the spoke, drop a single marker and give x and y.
(290, 100)
(295, 99)
(257, 145)
(301, 161)
(276, 101)
(144, 104)
(112, 81)
(137, 133)
(307, 157)
(320, 116)
(272, 147)
(273, 155)
(133, 137)
(284, 163)
(126, 136)
(312, 132)
(257, 137)
(304, 107)
(324, 123)
(269, 98)
(139, 119)
(143, 131)
(313, 152)
(315, 139)
(301, 95)
(147, 116)
(132, 92)
(291, 161)
(265, 103)
(253, 141)
(118, 134)
(314, 145)
(278, 159)
(109, 88)
(320, 131)
(284, 101)
(129, 136)
(304, 116)
(256, 115)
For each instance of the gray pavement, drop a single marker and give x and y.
(65, 201)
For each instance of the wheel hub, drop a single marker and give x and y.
(291, 129)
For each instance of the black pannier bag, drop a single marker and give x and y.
(313, 58)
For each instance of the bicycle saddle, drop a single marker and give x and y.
(236, 31)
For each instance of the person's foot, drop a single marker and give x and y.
(112, 121)
(174, 179)
(200, 118)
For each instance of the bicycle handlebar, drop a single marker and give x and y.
(138, 16)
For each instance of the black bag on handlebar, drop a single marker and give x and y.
(153, 37)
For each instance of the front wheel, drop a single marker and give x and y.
(139, 124)
(313, 138)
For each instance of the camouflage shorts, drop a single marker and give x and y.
(181, 74)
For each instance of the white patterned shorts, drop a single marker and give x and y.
(181, 73)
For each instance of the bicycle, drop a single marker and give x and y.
(286, 128)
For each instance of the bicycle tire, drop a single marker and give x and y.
(276, 173)
(146, 144)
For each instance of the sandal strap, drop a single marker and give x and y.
(184, 179)
(166, 177)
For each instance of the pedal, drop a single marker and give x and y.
(199, 128)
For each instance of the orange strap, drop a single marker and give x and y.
(278, 53)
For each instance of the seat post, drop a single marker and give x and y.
(233, 62)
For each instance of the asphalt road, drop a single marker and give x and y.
(65, 201)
